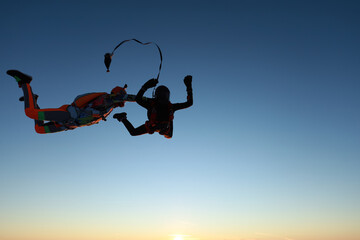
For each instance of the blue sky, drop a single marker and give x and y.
(269, 150)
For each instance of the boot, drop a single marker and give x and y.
(20, 77)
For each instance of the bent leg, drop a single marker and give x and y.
(134, 131)
(50, 127)
(32, 111)
(169, 133)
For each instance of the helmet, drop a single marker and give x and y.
(119, 92)
(162, 94)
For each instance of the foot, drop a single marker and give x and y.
(21, 99)
(20, 77)
(120, 116)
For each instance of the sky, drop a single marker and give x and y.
(269, 150)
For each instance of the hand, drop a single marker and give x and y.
(120, 116)
(188, 80)
(151, 83)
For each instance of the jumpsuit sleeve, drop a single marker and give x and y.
(188, 103)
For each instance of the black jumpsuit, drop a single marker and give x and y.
(161, 112)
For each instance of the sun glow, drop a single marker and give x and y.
(178, 237)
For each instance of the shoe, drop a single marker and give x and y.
(120, 116)
(21, 99)
(20, 77)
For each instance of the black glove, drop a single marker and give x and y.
(151, 83)
(188, 80)
(120, 116)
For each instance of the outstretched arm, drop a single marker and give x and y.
(139, 96)
(189, 102)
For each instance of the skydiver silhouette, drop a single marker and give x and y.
(160, 110)
(86, 110)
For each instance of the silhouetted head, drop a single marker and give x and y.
(162, 94)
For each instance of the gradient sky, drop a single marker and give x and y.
(269, 150)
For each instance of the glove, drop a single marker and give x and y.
(188, 80)
(151, 83)
(120, 116)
